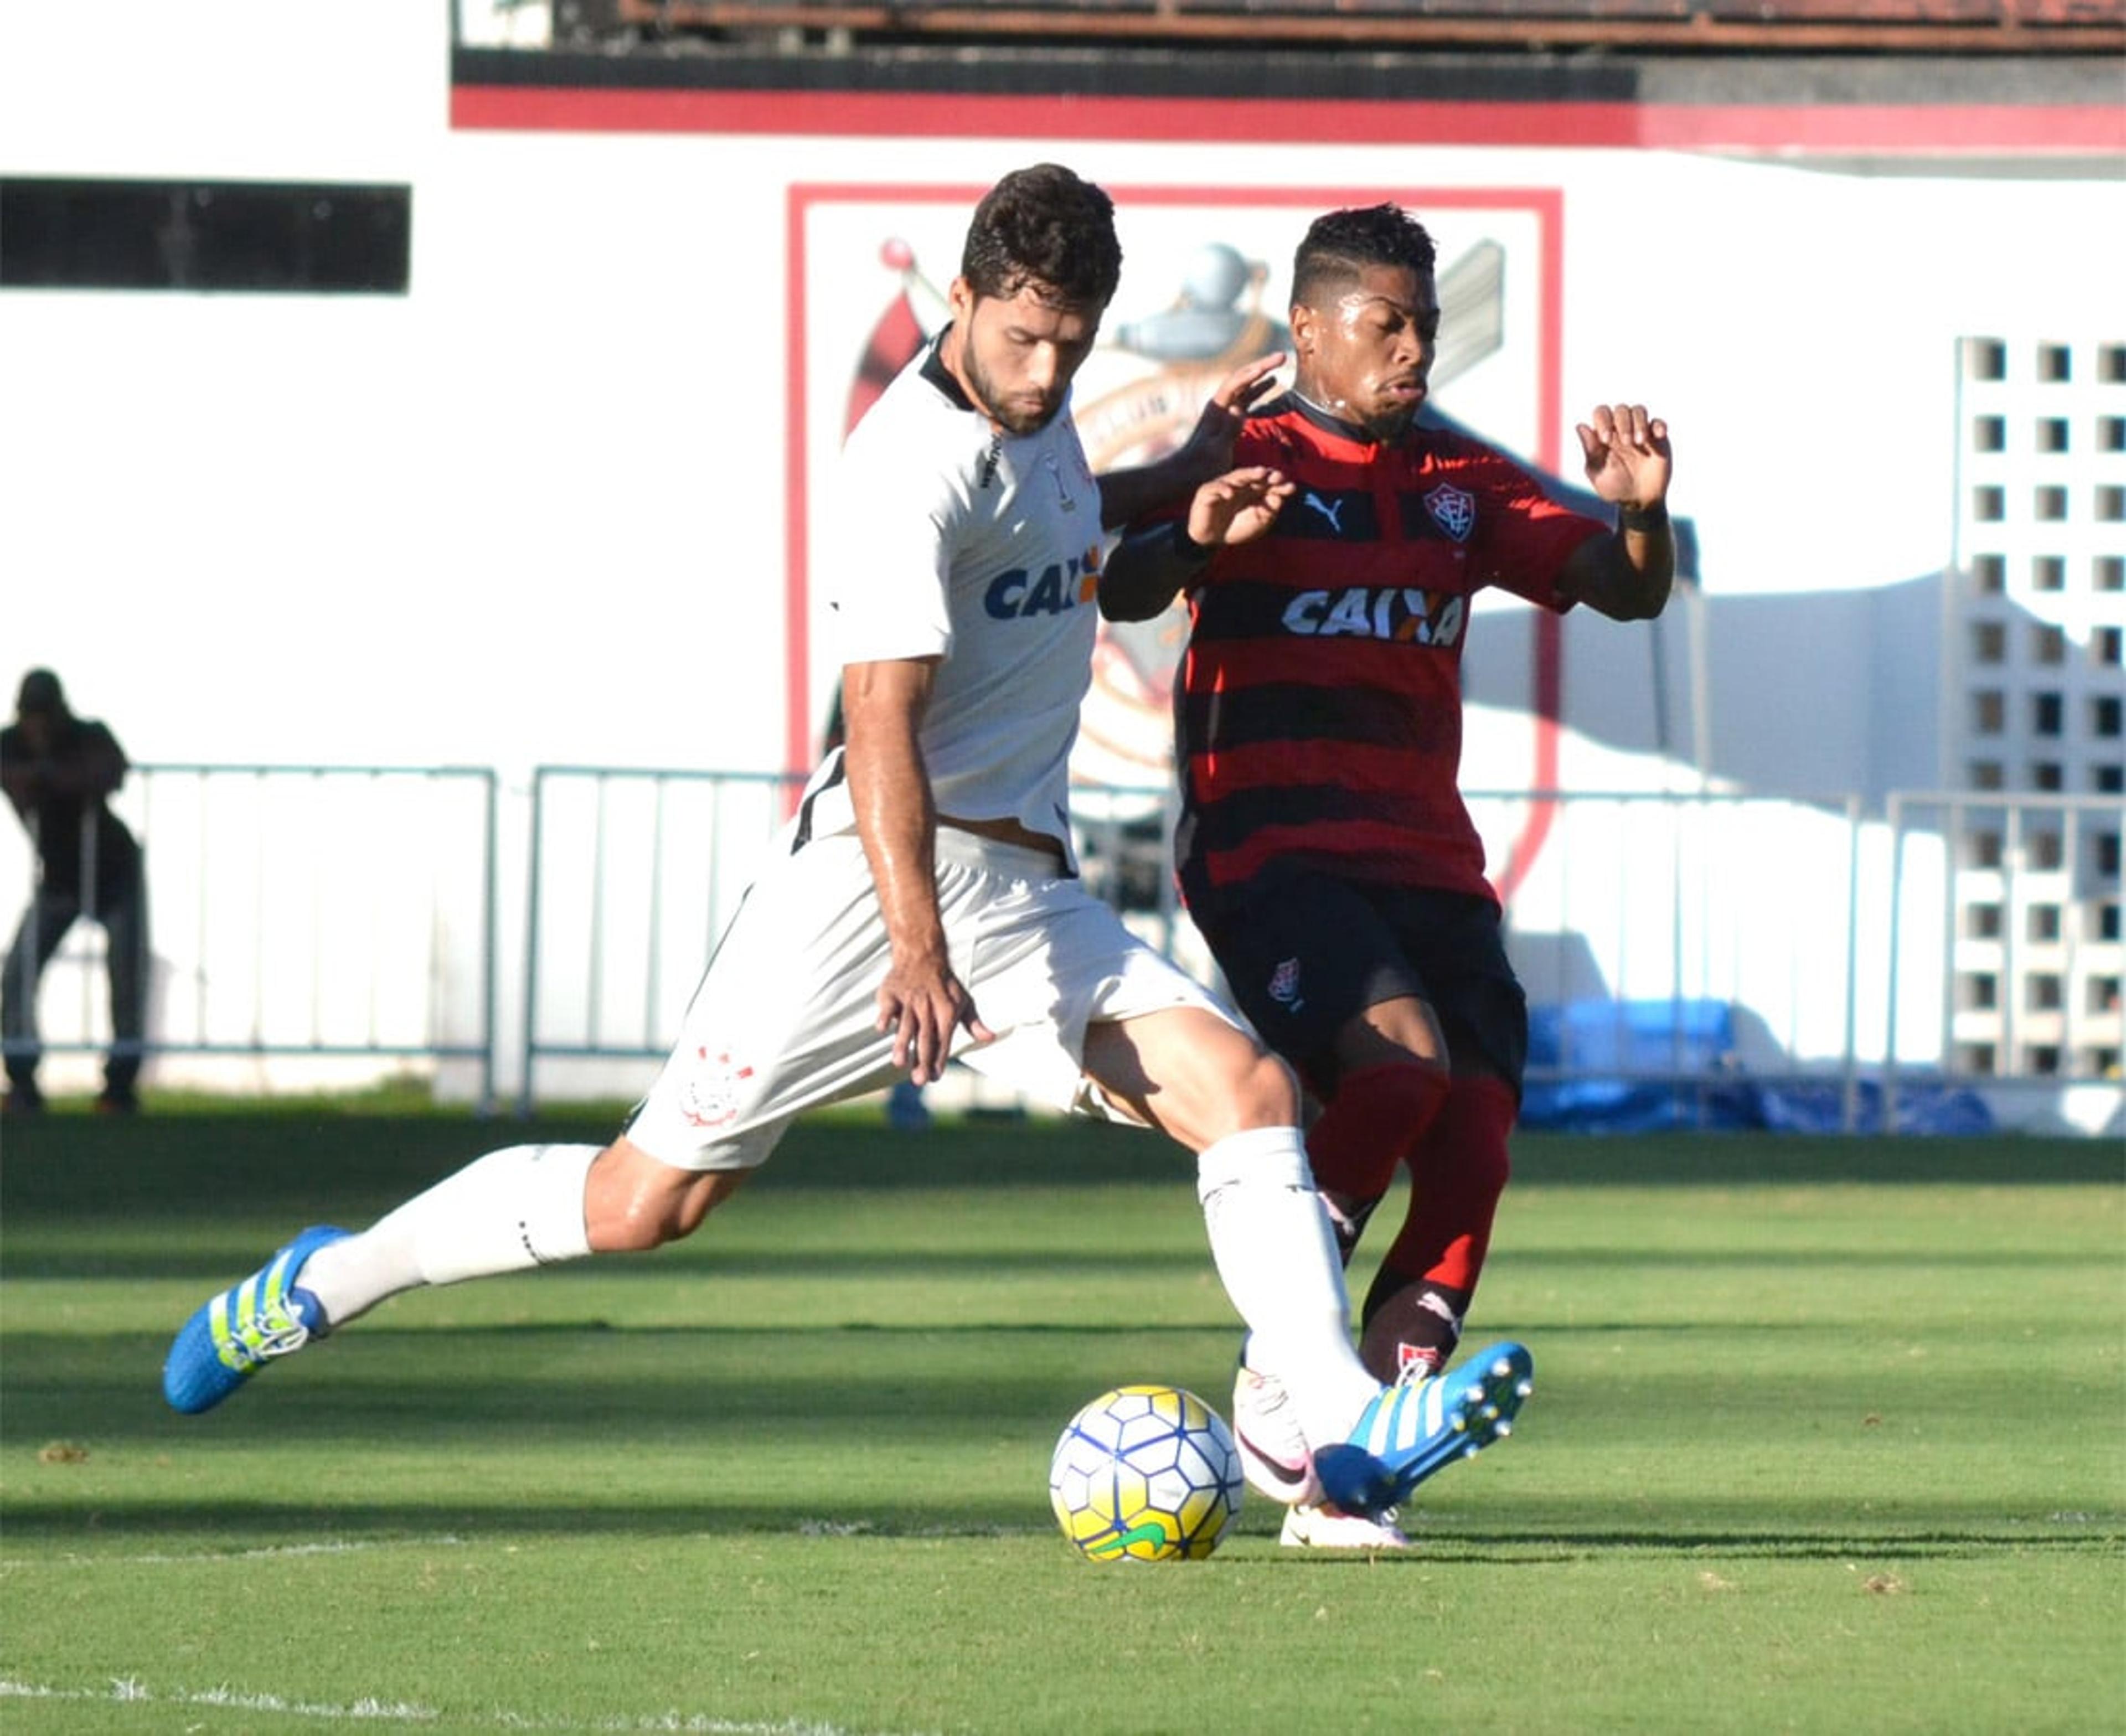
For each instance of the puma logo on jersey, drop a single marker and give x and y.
(1016, 593)
(1392, 612)
(1331, 510)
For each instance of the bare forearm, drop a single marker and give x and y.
(1628, 574)
(896, 817)
(1646, 544)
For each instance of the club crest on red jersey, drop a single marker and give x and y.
(1453, 510)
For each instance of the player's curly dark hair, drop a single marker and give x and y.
(1044, 226)
(1340, 244)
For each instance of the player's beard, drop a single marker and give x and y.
(1385, 431)
(1013, 419)
(1388, 425)
(1362, 409)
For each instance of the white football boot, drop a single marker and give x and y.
(1275, 1457)
(1315, 1527)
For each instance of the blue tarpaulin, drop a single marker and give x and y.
(1638, 1066)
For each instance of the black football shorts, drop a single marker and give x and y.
(1303, 952)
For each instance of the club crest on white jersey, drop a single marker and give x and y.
(711, 1098)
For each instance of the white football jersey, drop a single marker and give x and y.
(950, 539)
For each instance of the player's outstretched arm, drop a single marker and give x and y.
(1150, 566)
(1128, 495)
(921, 1002)
(1627, 577)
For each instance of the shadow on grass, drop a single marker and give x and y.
(913, 1390)
(456, 1396)
(317, 1168)
(214, 1262)
(215, 1528)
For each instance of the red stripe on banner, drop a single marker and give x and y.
(1547, 676)
(1887, 127)
(1952, 128)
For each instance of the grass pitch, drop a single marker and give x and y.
(1827, 1434)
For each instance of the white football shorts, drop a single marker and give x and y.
(785, 1017)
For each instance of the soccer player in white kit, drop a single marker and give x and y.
(923, 901)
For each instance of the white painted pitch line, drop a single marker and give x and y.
(864, 1528)
(278, 1551)
(290, 1551)
(130, 1691)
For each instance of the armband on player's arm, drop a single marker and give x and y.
(1149, 568)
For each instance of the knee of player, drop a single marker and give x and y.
(635, 1229)
(1266, 1093)
(630, 1207)
(1435, 1069)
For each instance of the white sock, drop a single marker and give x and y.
(513, 1208)
(1276, 1255)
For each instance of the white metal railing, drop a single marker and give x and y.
(1810, 928)
(317, 911)
(1681, 940)
(634, 874)
(1638, 915)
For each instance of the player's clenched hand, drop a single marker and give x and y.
(1627, 454)
(1209, 448)
(1238, 506)
(924, 1005)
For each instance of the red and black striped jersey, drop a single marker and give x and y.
(1318, 709)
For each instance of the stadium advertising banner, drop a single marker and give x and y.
(1206, 287)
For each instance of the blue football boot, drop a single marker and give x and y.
(238, 1331)
(1413, 1428)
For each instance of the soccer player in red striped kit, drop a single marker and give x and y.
(1324, 848)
